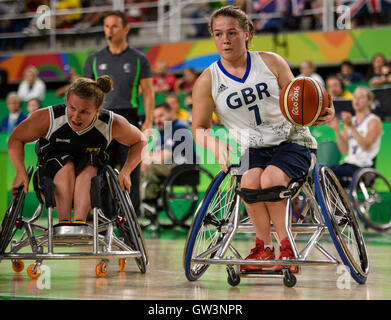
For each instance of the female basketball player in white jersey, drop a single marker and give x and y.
(68, 134)
(361, 136)
(243, 88)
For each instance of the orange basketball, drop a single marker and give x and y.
(303, 100)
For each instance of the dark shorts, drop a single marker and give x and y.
(291, 158)
(52, 165)
(344, 170)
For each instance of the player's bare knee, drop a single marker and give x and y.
(251, 179)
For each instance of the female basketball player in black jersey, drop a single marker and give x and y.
(68, 134)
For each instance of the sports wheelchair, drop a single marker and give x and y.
(369, 191)
(115, 232)
(218, 219)
(179, 194)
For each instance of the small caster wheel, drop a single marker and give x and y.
(101, 270)
(33, 271)
(289, 279)
(122, 264)
(233, 278)
(17, 265)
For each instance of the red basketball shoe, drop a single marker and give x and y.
(286, 253)
(259, 253)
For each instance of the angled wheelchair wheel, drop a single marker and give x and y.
(204, 234)
(370, 193)
(15, 210)
(127, 222)
(183, 190)
(341, 222)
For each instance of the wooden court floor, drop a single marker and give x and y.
(165, 279)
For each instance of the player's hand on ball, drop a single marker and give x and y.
(327, 115)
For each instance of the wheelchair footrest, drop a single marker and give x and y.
(261, 272)
(80, 232)
(271, 273)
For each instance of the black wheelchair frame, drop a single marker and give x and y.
(113, 234)
(178, 196)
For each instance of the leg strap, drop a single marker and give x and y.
(272, 194)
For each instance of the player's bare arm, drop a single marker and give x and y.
(31, 129)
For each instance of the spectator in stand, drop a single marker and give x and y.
(177, 112)
(33, 105)
(93, 18)
(336, 88)
(307, 69)
(60, 92)
(163, 81)
(15, 116)
(67, 20)
(318, 17)
(9, 11)
(374, 71)
(31, 86)
(276, 8)
(384, 77)
(365, 12)
(133, 13)
(186, 83)
(386, 73)
(348, 74)
(3, 83)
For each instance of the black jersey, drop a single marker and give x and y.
(61, 140)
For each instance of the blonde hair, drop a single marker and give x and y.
(234, 12)
(368, 91)
(86, 88)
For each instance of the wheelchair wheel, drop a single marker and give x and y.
(127, 222)
(183, 190)
(341, 223)
(204, 234)
(371, 197)
(14, 211)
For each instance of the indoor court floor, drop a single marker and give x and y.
(165, 278)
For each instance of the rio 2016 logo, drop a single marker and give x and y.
(295, 100)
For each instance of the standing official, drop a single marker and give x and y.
(130, 71)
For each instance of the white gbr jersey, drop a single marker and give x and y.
(249, 107)
(357, 155)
